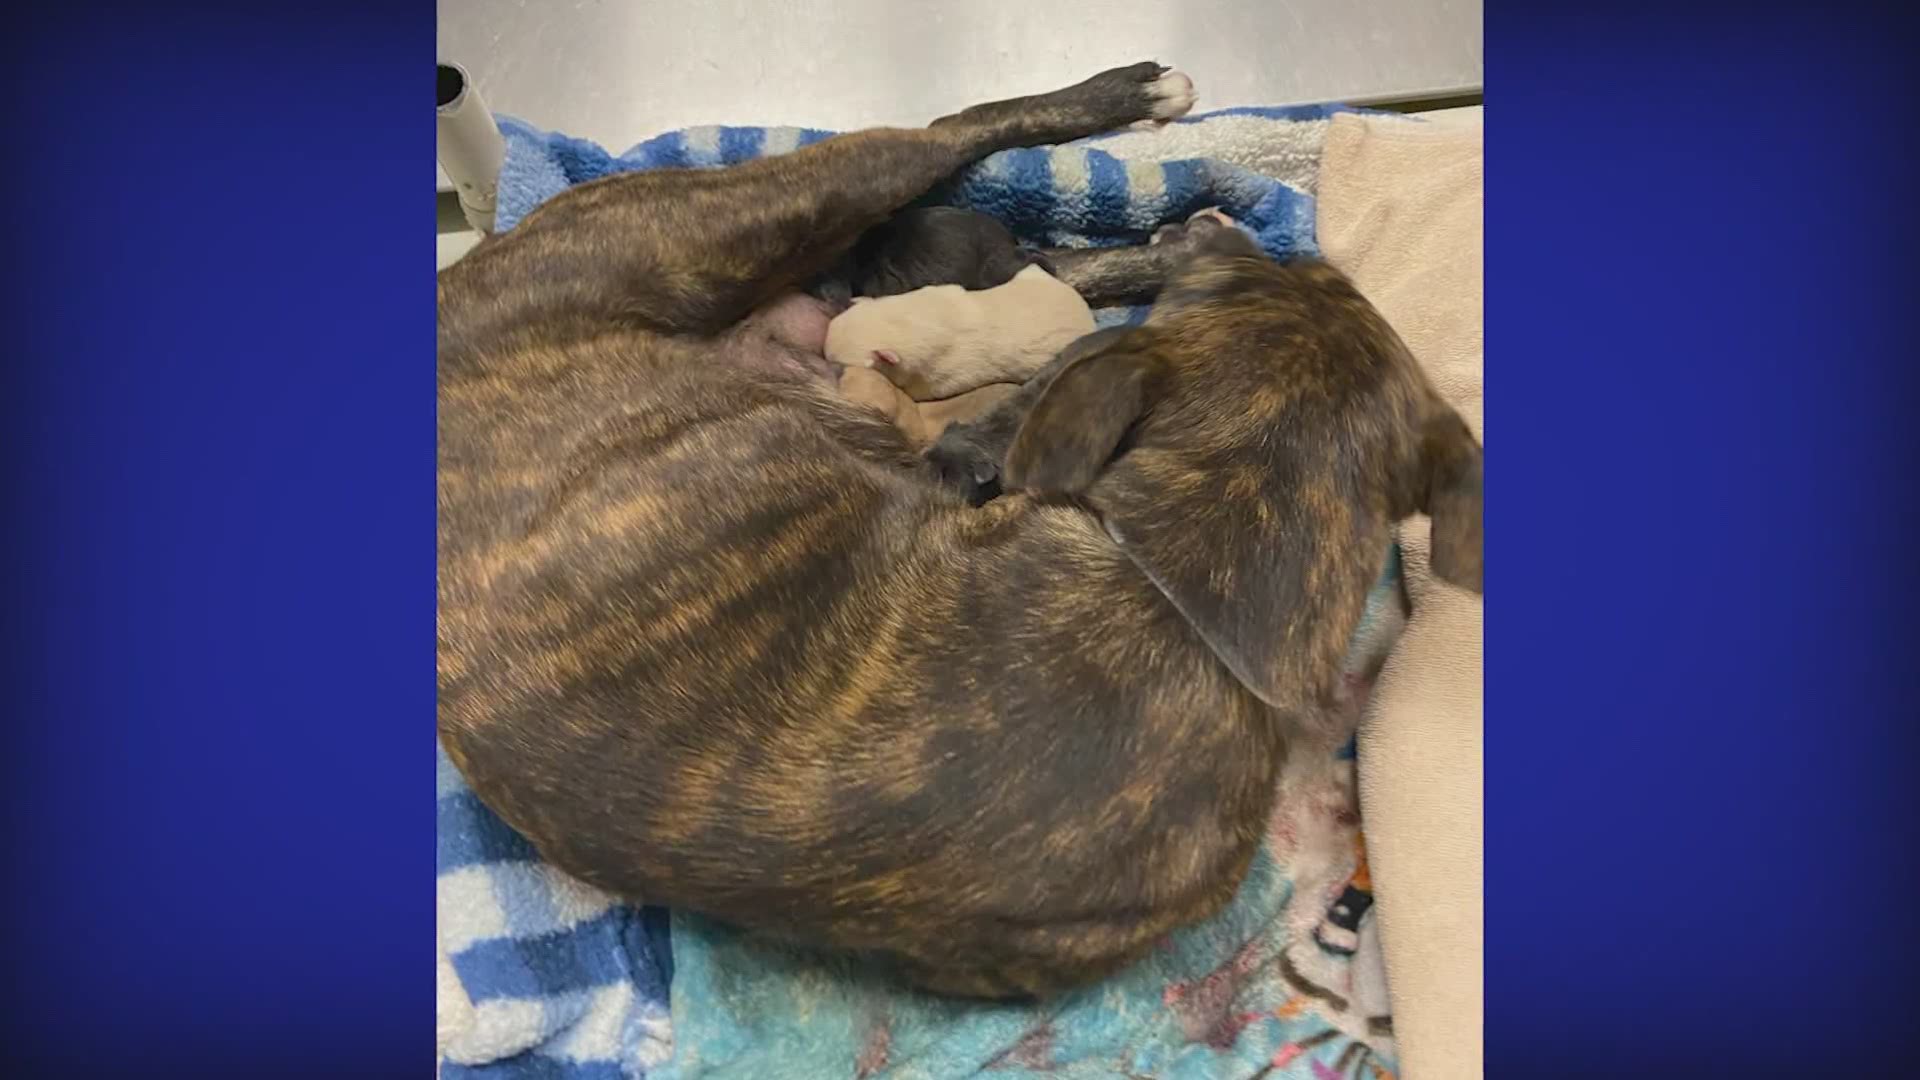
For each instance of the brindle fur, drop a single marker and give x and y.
(709, 636)
(1272, 404)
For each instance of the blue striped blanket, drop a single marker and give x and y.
(543, 977)
(1257, 164)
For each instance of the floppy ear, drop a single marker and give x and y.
(1260, 554)
(1071, 432)
(1451, 457)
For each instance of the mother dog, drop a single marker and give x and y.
(713, 637)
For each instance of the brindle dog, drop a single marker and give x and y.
(712, 637)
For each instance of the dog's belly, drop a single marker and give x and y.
(784, 337)
(796, 320)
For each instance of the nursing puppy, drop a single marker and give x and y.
(914, 249)
(943, 340)
(930, 245)
(921, 421)
(710, 637)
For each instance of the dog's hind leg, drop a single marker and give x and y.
(1106, 277)
(692, 251)
(1109, 277)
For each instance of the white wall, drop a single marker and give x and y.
(618, 71)
(449, 246)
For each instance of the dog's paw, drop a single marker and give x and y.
(964, 466)
(1207, 232)
(1146, 94)
(1169, 96)
(1197, 225)
(1210, 217)
(1173, 95)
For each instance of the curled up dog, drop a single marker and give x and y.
(713, 637)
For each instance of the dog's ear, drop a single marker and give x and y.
(1450, 460)
(1074, 428)
(1263, 555)
(1265, 546)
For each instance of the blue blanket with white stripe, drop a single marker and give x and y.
(541, 976)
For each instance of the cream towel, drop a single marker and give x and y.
(1399, 211)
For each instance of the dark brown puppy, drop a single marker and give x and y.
(930, 245)
(709, 638)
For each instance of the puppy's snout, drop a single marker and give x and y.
(984, 486)
(960, 467)
(986, 481)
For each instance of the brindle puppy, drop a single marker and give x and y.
(710, 637)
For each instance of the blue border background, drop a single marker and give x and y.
(220, 397)
(220, 583)
(1700, 685)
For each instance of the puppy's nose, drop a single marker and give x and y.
(986, 483)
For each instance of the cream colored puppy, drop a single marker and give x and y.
(944, 340)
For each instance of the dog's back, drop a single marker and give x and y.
(756, 675)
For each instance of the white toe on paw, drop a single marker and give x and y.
(1173, 95)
